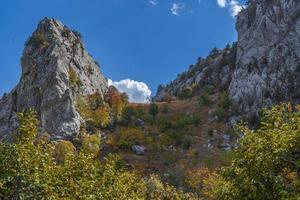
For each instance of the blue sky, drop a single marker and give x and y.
(143, 40)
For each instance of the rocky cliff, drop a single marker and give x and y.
(55, 70)
(264, 64)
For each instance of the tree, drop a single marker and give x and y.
(28, 125)
(101, 117)
(128, 114)
(186, 92)
(153, 110)
(117, 101)
(56, 170)
(266, 164)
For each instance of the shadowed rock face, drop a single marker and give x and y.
(55, 69)
(266, 59)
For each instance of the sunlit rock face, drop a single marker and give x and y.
(262, 68)
(55, 70)
(268, 54)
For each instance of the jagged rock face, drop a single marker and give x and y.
(267, 59)
(55, 70)
(268, 54)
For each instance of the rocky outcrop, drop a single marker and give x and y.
(268, 54)
(55, 70)
(215, 71)
(266, 67)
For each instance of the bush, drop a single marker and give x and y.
(38, 41)
(90, 144)
(204, 99)
(64, 150)
(77, 34)
(128, 114)
(225, 101)
(265, 165)
(31, 172)
(117, 101)
(220, 114)
(164, 124)
(186, 93)
(153, 110)
(101, 117)
(74, 79)
(131, 136)
(156, 190)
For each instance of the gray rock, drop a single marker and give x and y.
(139, 150)
(262, 68)
(51, 53)
(268, 54)
(139, 122)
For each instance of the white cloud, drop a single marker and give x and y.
(233, 5)
(138, 92)
(222, 3)
(153, 2)
(176, 7)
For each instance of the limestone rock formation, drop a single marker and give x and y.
(55, 70)
(265, 67)
(268, 54)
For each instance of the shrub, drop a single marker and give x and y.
(128, 114)
(101, 117)
(187, 92)
(90, 144)
(176, 135)
(38, 40)
(153, 110)
(156, 190)
(187, 141)
(74, 79)
(169, 97)
(225, 101)
(221, 115)
(195, 178)
(116, 101)
(195, 120)
(169, 158)
(265, 164)
(31, 172)
(164, 124)
(204, 99)
(128, 137)
(77, 34)
(26, 132)
(64, 150)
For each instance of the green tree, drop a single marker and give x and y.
(56, 170)
(153, 110)
(266, 164)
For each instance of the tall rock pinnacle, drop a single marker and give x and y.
(55, 70)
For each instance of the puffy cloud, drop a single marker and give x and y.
(222, 3)
(234, 6)
(176, 7)
(138, 92)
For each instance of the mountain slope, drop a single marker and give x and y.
(264, 64)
